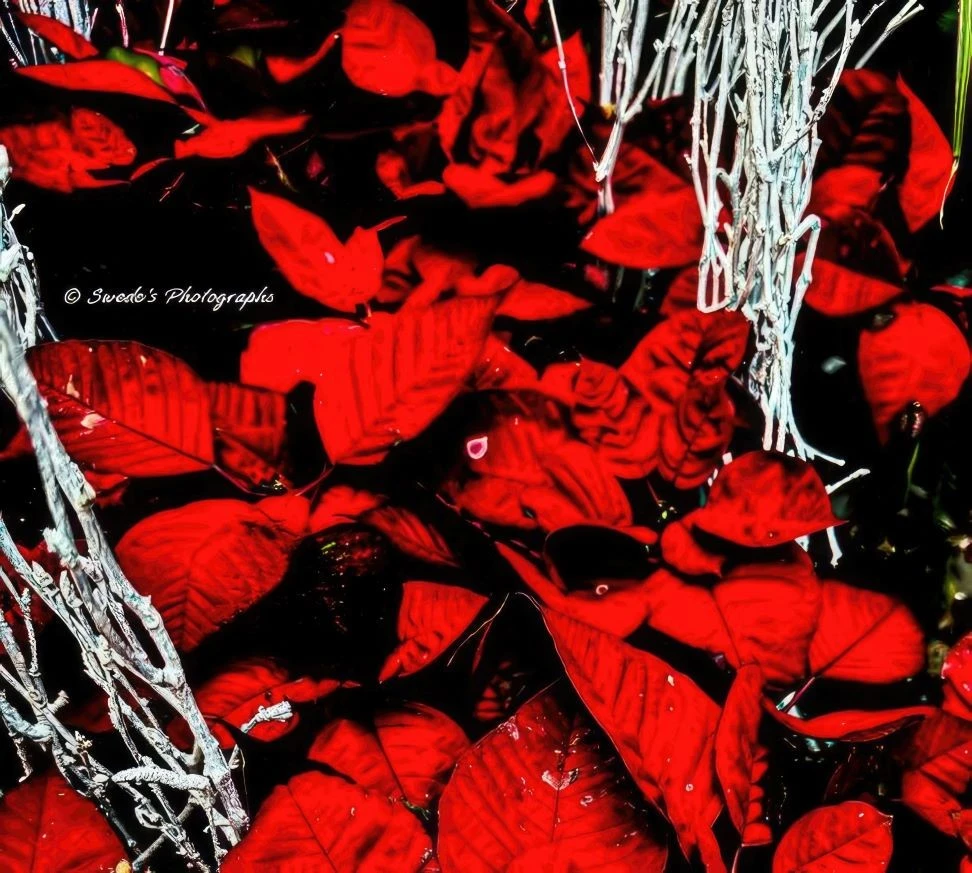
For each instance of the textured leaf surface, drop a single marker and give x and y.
(541, 792)
(111, 77)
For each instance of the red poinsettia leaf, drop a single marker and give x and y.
(839, 291)
(391, 381)
(284, 69)
(608, 414)
(865, 636)
(619, 612)
(690, 342)
(651, 232)
(534, 301)
(106, 76)
(921, 356)
(227, 139)
(235, 696)
(758, 614)
(685, 553)
(924, 185)
(387, 49)
(122, 407)
(852, 837)
(957, 673)
(405, 754)
(280, 355)
(765, 499)
(479, 188)
(251, 416)
(393, 170)
(852, 725)
(431, 618)
(500, 368)
(578, 69)
(540, 792)
(661, 723)
(46, 825)
(61, 154)
(206, 562)
(694, 437)
(410, 534)
(320, 822)
(312, 258)
(59, 35)
(740, 759)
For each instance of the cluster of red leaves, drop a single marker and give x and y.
(626, 762)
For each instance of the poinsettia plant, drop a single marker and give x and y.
(468, 542)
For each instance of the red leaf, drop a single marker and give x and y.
(852, 837)
(318, 822)
(865, 636)
(683, 551)
(405, 754)
(759, 614)
(659, 227)
(687, 343)
(236, 695)
(394, 173)
(59, 35)
(410, 534)
(389, 50)
(109, 77)
(500, 368)
(312, 258)
(250, 427)
(227, 139)
(46, 826)
(838, 291)
(479, 188)
(921, 356)
(540, 793)
(938, 769)
(740, 759)
(924, 185)
(282, 354)
(608, 414)
(852, 725)
(206, 562)
(431, 618)
(62, 154)
(284, 69)
(393, 380)
(765, 499)
(957, 673)
(694, 437)
(534, 301)
(578, 69)
(121, 407)
(661, 723)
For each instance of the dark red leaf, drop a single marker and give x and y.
(250, 426)
(392, 381)
(237, 694)
(541, 793)
(107, 76)
(121, 407)
(284, 69)
(765, 499)
(741, 760)
(205, 563)
(923, 188)
(394, 173)
(431, 618)
(45, 825)
(405, 754)
(59, 35)
(852, 837)
(312, 258)
(865, 636)
(957, 673)
(852, 725)
(838, 291)
(227, 139)
(319, 822)
(921, 356)
(410, 534)
(389, 50)
(578, 69)
(661, 723)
